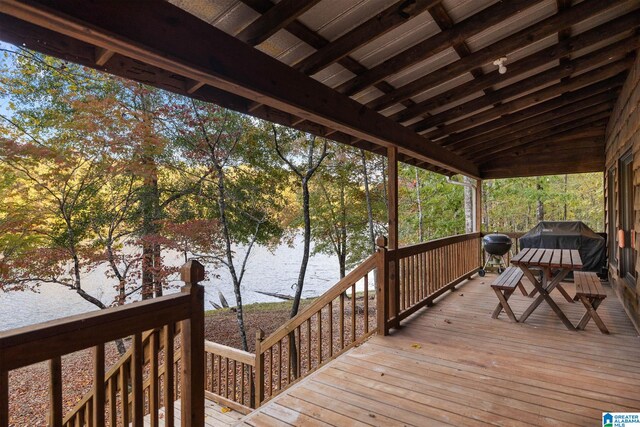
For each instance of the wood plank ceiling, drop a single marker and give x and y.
(420, 73)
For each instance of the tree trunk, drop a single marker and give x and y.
(566, 178)
(222, 206)
(468, 206)
(485, 205)
(306, 248)
(539, 203)
(367, 195)
(419, 203)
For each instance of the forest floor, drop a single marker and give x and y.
(28, 387)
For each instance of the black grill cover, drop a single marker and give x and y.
(568, 235)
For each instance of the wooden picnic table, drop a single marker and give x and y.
(555, 265)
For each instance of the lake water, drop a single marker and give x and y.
(268, 271)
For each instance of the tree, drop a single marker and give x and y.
(291, 145)
(92, 152)
(337, 209)
(244, 185)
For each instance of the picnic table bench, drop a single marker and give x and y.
(591, 293)
(504, 285)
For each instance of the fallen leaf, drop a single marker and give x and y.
(224, 409)
(416, 346)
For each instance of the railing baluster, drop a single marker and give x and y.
(319, 341)
(226, 377)
(153, 377)
(219, 358)
(353, 313)
(4, 398)
(88, 413)
(169, 374)
(341, 318)
(55, 392)
(299, 352)
(366, 303)
(259, 371)
(112, 391)
(271, 382)
(308, 345)
(241, 396)
(98, 385)
(137, 359)
(212, 375)
(330, 328)
(124, 393)
(233, 388)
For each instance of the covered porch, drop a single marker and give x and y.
(451, 364)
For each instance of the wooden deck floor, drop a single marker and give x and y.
(214, 416)
(453, 365)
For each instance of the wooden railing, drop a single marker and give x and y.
(230, 377)
(335, 322)
(415, 275)
(118, 398)
(159, 390)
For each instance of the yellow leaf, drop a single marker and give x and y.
(224, 409)
(416, 346)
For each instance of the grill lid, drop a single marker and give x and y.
(496, 238)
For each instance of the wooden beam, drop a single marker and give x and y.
(395, 15)
(540, 113)
(273, 20)
(587, 132)
(318, 42)
(445, 22)
(471, 26)
(535, 168)
(103, 56)
(192, 86)
(546, 121)
(520, 39)
(164, 36)
(605, 76)
(548, 162)
(603, 55)
(588, 38)
(558, 132)
(553, 146)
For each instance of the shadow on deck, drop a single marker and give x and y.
(453, 364)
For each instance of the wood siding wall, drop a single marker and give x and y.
(623, 133)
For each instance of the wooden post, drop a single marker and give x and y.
(392, 192)
(193, 370)
(257, 396)
(382, 287)
(478, 220)
(98, 386)
(55, 392)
